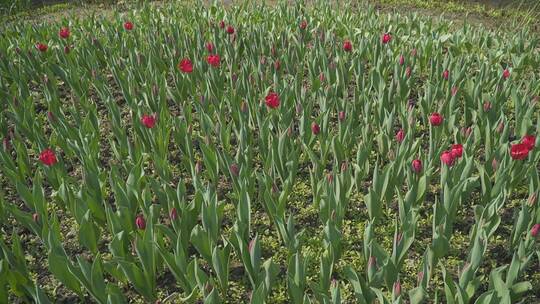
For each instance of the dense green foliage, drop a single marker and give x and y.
(268, 154)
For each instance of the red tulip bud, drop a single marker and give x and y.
(234, 169)
(487, 106)
(500, 127)
(413, 52)
(494, 164)
(344, 166)
(408, 71)
(436, 119)
(330, 178)
(140, 222)
(446, 74)
(35, 217)
(173, 214)
(416, 166)
(400, 135)
(341, 115)
(447, 158)
(198, 167)
(315, 128)
(506, 74)
(397, 289)
(454, 90)
(321, 77)
(401, 59)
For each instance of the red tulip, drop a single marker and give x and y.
(148, 121)
(456, 150)
(67, 49)
(64, 33)
(303, 24)
(35, 217)
(386, 37)
(173, 214)
(321, 77)
(347, 46)
(401, 60)
(530, 141)
(413, 52)
(416, 166)
(506, 74)
(519, 151)
(209, 47)
(397, 289)
(341, 115)
(222, 24)
(230, 30)
(447, 158)
(315, 128)
(185, 66)
(140, 222)
(277, 64)
(235, 170)
(47, 157)
(535, 229)
(128, 25)
(42, 47)
(446, 74)
(213, 60)
(400, 135)
(454, 90)
(487, 106)
(272, 100)
(408, 72)
(436, 119)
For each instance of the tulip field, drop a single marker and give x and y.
(186, 152)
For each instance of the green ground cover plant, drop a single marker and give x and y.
(285, 153)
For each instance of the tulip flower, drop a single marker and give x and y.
(400, 135)
(140, 222)
(230, 30)
(519, 151)
(213, 60)
(303, 24)
(128, 25)
(446, 74)
(209, 47)
(173, 214)
(347, 46)
(436, 119)
(148, 121)
(42, 47)
(47, 157)
(506, 74)
(456, 150)
(64, 33)
(386, 37)
(185, 66)
(416, 166)
(272, 100)
(529, 141)
(315, 128)
(447, 158)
